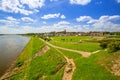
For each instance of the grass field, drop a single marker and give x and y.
(91, 68)
(83, 43)
(48, 65)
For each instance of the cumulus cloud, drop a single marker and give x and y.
(61, 23)
(27, 19)
(48, 16)
(104, 23)
(33, 3)
(83, 18)
(56, 15)
(11, 18)
(18, 6)
(10, 21)
(62, 17)
(80, 2)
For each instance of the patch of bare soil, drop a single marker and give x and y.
(69, 70)
(115, 69)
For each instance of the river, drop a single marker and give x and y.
(10, 47)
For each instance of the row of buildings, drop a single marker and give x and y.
(65, 33)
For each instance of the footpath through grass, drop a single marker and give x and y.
(48, 66)
(90, 68)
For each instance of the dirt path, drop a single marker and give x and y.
(69, 67)
(17, 70)
(84, 54)
(96, 51)
(69, 70)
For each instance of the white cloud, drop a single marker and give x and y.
(83, 18)
(118, 1)
(17, 6)
(11, 18)
(48, 16)
(61, 23)
(62, 17)
(104, 23)
(27, 19)
(10, 21)
(80, 2)
(33, 3)
(109, 18)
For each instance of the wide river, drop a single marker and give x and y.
(10, 48)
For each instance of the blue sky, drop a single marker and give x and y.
(36, 16)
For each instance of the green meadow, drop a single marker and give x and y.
(50, 65)
(82, 43)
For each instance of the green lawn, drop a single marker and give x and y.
(73, 42)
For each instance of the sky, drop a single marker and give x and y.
(38, 16)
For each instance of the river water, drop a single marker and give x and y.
(10, 47)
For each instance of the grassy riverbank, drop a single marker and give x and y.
(49, 65)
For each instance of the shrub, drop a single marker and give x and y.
(114, 46)
(104, 43)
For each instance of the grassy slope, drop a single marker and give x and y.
(45, 65)
(32, 47)
(90, 68)
(85, 45)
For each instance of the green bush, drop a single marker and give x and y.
(114, 46)
(103, 45)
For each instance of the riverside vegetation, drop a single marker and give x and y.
(102, 65)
